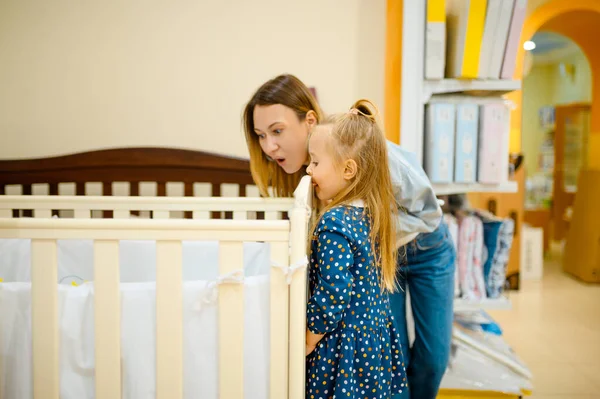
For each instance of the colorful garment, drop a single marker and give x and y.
(470, 258)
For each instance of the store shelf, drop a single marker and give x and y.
(474, 87)
(462, 305)
(459, 188)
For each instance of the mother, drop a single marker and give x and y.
(277, 121)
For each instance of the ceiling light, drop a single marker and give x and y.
(528, 45)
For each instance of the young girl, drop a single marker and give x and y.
(353, 349)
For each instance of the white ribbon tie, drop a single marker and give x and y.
(289, 271)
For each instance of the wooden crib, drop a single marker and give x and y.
(281, 222)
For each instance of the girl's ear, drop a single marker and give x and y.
(350, 169)
(311, 118)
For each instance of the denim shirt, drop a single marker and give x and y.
(419, 210)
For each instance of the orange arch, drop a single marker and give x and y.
(559, 16)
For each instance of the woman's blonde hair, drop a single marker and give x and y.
(289, 91)
(357, 135)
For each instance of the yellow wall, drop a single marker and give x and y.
(537, 92)
(88, 75)
(544, 85)
(579, 89)
(580, 21)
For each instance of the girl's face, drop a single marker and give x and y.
(282, 135)
(328, 176)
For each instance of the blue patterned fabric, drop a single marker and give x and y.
(360, 354)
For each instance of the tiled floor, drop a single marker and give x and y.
(554, 326)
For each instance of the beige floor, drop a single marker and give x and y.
(554, 326)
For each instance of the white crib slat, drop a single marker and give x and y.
(121, 214)
(42, 213)
(201, 214)
(158, 214)
(82, 214)
(239, 215)
(297, 310)
(272, 215)
(169, 320)
(279, 321)
(107, 312)
(231, 323)
(44, 319)
(5, 213)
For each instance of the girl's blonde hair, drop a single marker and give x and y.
(357, 135)
(289, 91)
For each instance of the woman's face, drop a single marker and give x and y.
(282, 135)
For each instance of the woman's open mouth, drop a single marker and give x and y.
(280, 161)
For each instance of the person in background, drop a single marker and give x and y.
(277, 121)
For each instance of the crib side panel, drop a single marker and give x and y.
(169, 320)
(44, 319)
(107, 314)
(279, 311)
(231, 322)
(168, 234)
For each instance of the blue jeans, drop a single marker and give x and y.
(427, 269)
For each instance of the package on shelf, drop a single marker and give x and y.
(492, 18)
(532, 253)
(514, 39)
(500, 40)
(439, 138)
(467, 126)
(480, 134)
(465, 21)
(494, 130)
(472, 39)
(435, 40)
(481, 360)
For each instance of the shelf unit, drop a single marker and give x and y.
(460, 188)
(463, 305)
(417, 92)
(472, 87)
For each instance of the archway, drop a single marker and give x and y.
(580, 21)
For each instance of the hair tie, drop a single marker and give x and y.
(353, 111)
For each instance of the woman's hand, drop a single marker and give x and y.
(311, 341)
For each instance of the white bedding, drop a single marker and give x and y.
(138, 265)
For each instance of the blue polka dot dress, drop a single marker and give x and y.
(360, 355)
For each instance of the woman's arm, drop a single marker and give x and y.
(420, 211)
(312, 340)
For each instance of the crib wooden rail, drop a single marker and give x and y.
(200, 207)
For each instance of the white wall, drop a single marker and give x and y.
(76, 76)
